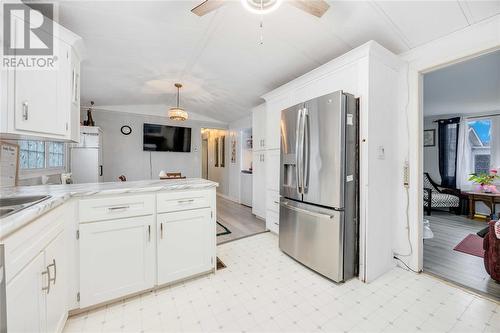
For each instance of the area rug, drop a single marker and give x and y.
(472, 244)
(222, 230)
(220, 264)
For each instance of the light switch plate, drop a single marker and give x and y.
(381, 152)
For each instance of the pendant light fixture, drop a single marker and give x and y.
(177, 113)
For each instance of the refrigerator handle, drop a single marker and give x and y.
(298, 153)
(305, 150)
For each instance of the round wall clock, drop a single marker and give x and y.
(126, 130)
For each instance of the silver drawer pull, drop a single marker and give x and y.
(53, 280)
(185, 201)
(47, 272)
(25, 110)
(118, 208)
(300, 210)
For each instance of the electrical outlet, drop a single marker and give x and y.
(406, 174)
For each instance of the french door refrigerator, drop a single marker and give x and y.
(319, 185)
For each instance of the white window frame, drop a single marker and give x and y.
(32, 173)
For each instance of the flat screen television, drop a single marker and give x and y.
(166, 138)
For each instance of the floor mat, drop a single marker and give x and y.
(471, 244)
(222, 229)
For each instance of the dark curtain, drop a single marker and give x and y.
(447, 144)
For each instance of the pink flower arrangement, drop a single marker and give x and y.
(485, 181)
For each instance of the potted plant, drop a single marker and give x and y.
(485, 181)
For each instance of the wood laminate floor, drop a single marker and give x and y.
(238, 219)
(464, 269)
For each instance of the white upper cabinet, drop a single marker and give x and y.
(273, 127)
(43, 102)
(259, 127)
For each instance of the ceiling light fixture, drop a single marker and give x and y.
(261, 7)
(177, 113)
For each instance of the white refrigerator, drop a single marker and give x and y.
(86, 157)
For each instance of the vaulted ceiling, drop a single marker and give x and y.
(136, 50)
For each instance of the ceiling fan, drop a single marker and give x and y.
(313, 7)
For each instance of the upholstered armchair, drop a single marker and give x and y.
(491, 246)
(436, 196)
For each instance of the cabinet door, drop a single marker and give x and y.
(185, 244)
(272, 166)
(259, 128)
(36, 102)
(116, 258)
(259, 184)
(57, 264)
(26, 299)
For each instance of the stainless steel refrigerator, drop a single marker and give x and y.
(319, 185)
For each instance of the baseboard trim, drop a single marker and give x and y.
(228, 198)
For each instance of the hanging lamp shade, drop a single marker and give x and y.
(177, 113)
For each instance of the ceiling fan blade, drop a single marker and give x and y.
(313, 7)
(207, 6)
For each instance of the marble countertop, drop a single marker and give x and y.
(61, 193)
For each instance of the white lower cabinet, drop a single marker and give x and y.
(56, 262)
(37, 295)
(117, 258)
(26, 299)
(185, 243)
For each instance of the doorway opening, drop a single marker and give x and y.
(226, 159)
(461, 155)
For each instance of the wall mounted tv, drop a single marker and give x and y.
(166, 138)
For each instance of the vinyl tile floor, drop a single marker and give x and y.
(263, 290)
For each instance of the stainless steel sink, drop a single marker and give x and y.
(11, 205)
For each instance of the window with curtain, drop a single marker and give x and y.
(480, 149)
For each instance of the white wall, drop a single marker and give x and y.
(123, 154)
(473, 40)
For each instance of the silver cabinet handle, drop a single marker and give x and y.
(25, 110)
(185, 201)
(149, 233)
(161, 230)
(53, 280)
(276, 202)
(118, 208)
(300, 210)
(47, 272)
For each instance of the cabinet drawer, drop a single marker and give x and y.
(178, 201)
(273, 201)
(115, 207)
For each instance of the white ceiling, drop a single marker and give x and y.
(138, 49)
(469, 87)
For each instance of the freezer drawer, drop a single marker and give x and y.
(313, 236)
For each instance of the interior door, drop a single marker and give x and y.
(290, 126)
(56, 262)
(26, 298)
(116, 258)
(324, 150)
(185, 241)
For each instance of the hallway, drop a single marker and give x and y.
(238, 219)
